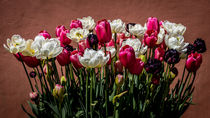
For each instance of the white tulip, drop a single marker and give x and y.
(161, 36)
(136, 45)
(46, 48)
(77, 34)
(137, 30)
(111, 49)
(93, 59)
(28, 51)
(173, 28)
(117, 26)
(87, 23)
(176, 42)
(15, 45)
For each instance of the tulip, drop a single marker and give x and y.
(74, 58)
(87, 23)
(63, 58)
(58, 92)
(59, 29)
(63, 38)
(193, 62)
(127, 56)
(17, 56)
(31, 61)
(75, 24)
(200, 45)
(173, 28)
(117, 26)
(190, 49)
(118, 66)
(34, 96)
(63, 80)
(45, 34)
(32, 74)
(103, 31)
(127, 26)
(150, 39)
(159, 53)
(171, 56)
(119, 80)
(110, 59)
(173, 73)
(155, 80)
(82, 46)
(93, 59)
(152, 25)
(137, 67)
(153, 66)
(136, 30)
(77, 34)
(92, 41)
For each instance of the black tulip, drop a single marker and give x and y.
(127, 26)
(190, 49)
(92, 41)
(32, 74)
(200, 45)
(171, 56)
(153, 66)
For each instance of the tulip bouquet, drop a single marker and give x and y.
(111, 69)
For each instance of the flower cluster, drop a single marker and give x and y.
(110, 66)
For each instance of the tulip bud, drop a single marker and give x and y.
(63, 80)
(171, 56)
(127, 56)
(193, 62)
(74, 58)
(103, 31)
(137, 67)
(45, 34)
(58, 92)
(119, 80)
(63, 58)
(155, 80)
(118, 66)
(190, 49)
(31, 61)
(75, 24)
(159, 53)
(32, 74)
(34, 96)
(200, 45)
(173, 73)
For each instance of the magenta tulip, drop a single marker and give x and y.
(103, 31)
(63, 58)
(136, 67)
(150, 39)
(75, 24)
(31, 61)
(59, 29)
(152, 25)
(159, 53)
(118, 66)
(193, 62)
(74, 58)
(17, 56)
(45, 34)
(82, 46)
(127, 56)
(63, 38)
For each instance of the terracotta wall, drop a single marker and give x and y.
(28, 17)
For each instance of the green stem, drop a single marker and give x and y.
(44, 78)
(26, 72)
(86, 98)
(91, 94)
(106, 84)
(40, 79)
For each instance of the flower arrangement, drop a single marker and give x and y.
(114, 70)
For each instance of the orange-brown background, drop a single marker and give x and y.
(28, 17)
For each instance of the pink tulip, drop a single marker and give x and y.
(127, 56)
(59, 29)
(118, 66)
(103, 31)
(193, 62)
(150, 39)
(152, 25)
(45, 34)
(159, 53)
(75, 24)
(31, 61)
(34, 96)
(82, 46)
(136, 67)
(61, 32)
(63, 58)
(74, 58)
(110, 59)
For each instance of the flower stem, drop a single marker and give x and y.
(91, 94)
(86, 98)
(26, 72)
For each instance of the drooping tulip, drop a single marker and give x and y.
(200, 45)
(193, 62)
(153, 25)
(118, 66)
(17, 56)
(45, 34)
(92, 41)
(74, 58)
(103, 31)
(127, 56)
(137, 67)
(159, 53)
(63, 58)
(171, 56)
(31, 61)
(75, 24)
